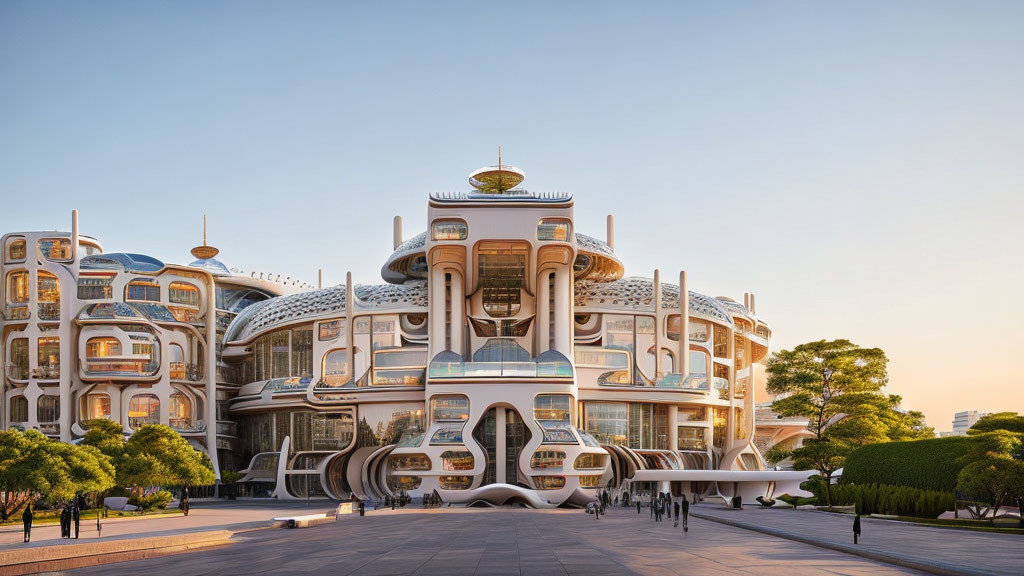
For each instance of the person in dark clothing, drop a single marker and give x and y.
(675, 507)
(26, 520)
(856, 529)
(185, 504)
(65, 522)
(652, 505)
(76, 517)
(638, 506)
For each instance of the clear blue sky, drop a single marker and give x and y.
(858, 166)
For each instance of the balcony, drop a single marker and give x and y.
(689, 383)
(186, 425)
(286, 385)
(450, 366)
(131, 366)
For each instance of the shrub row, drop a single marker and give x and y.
(931, 464)
(897, 500)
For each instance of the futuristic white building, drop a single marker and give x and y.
(506, 358)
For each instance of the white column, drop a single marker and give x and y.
(657, 324)
(684, 326)
(436, 318)
(499, 445)
(350, 328)
(610, 232)
(397, 232)
(563, 318)
(211, 374)
(543, 313)
(458, 306)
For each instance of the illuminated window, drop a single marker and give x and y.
(48, 295)
(456, 461)
(721, 342)
(179, 411)
(608, 422)
(143, 409)
(95, 406)
(16, 251)
(740, 425)
(552, 407)
(590, 481)
(721, 421)
(449, 408)
(693, 413)
(95, 287)
(405, 462)
(302, 353)
(102, 347)
(449, 230)
(182, 293)
(399, 366)
(456, 482)
(547, 459)
(501, 271)
(691, 438)
(49, 357)
(17, 287)
(19, 409)
(19, 358)
(335, 368)
(549, 482)
(407, 482)
(553, 229)
(48, 409)
(142, 290)
(55, 249)
(589, 461)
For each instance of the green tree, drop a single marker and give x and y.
(824, 455)
(156, 455)
(106, 436)
(1009, 421)
(32, 465)
(994, 480)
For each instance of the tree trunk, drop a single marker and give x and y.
(828, 489)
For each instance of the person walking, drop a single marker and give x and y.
(185, 504)
(685, 507)
(76, 517)
(856, 529)
(652, 505)
(65, 521)
(675, 506)
(26, 520)
(638, 506)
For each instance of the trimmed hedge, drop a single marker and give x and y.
(931, 464)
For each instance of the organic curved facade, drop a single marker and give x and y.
(506, 356)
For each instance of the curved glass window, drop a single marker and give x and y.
(553, 364)
(456, 460)
(549, 482)
(400, 366)
(501, 273)
(49, 357)
(591, 357)
(447, 434)
(590, 481)
(406, 482)
(405, 462)
(102, 347)
(19, 409)
(55, 249)
(449, 230)
(48, 409)
(547, 459)
(183, 293)
(180, 411)
(608, 422)
(48, 295)
(143, 409)
(699, 329)
(589, 462)
(179, 371)
(699, 364)
(502, 350)
(19, 359)
(95, 286)
(554, 229)
(691, 438)
(17, 287)
(335, 369)
(142, 290)
(95, 406)
(552, 407)
(449, 408)
(721, 345)
(456, 482)
(16, 251)
(331, 330)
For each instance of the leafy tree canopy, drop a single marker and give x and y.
(107, 436)
(1008, 421)
(156, 455)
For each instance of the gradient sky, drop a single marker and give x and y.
(859, 166)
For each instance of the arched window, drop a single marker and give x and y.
(102, 347)
(48, 409)
(95, 406)
(17, 287)
(142, 290)
(177, 358)
(335, 368)
(48, 295)
(16, 251)
(19, 359)
(183, 293)
(180, 411)
(55, 249)
(49, 357)
(19, 409)
(143, 409)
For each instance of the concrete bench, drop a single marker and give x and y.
(302, 521)
(119, 503)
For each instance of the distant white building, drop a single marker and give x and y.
(962, 422)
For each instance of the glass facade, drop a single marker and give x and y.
(637, 425)
(142, 291)
(691, 438)
(17, 287)
(456, 461)
(590, 461)
(449, 408)
(183, 293)
(547, 459)
(95, 287)
(48, 295)
(554, 230)
(143, 409)
(16, 251)
(95, 406)
(49, 357)
(48, 409)
(19, 409)
(335, 369)
(501, 273)
(55, 249)
(19, 358)
(449, 230)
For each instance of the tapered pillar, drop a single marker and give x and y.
(437, 311)
(397, 232)
(657, 329)
(610, 232)
(500, 436)
(211, 374)
(673, 428)
(684, 326)
(350, 329)
(543, 313)
(563, 312)
(458, 306)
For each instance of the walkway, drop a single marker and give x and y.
(459, 541)
(962, 551)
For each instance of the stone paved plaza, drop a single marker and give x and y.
(457, 541)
